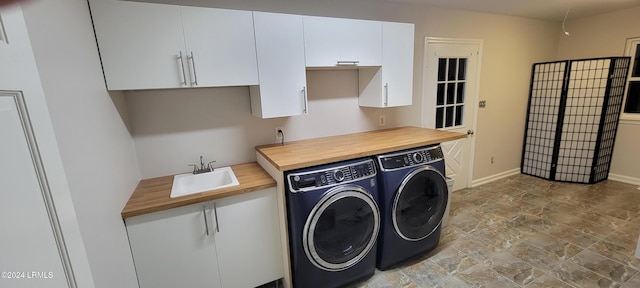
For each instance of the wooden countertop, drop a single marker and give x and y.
(152, 195)
(311, 152)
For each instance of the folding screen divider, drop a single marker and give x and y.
(572, 118)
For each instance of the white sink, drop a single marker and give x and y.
(189, 183)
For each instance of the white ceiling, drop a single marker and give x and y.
(539, 9)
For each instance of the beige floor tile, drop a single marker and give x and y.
(548, 281)
(513, 268)
(581, 277)
(595, 262)
(481, 275)
(453, 261)
(535, 256)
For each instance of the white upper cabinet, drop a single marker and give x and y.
(281, 66)
(331, 42)
(392, 84)
(156, 46)
(139, 44)
(220, 47)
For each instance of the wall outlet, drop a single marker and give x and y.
(382, 120)
(493, 160)
(279, 135)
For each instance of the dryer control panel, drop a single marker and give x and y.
(330, 176)
(410, 158)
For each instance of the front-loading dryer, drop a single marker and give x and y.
(333, 221)
(413, 198)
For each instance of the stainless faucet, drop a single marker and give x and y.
(203, 168)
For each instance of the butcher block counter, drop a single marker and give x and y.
(311, 152)
(152, 195)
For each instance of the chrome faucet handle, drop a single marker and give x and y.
(211, 168)
(195, 168)
(201, 162)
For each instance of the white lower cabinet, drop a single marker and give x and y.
(230, 242)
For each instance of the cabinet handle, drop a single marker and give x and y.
(215, 214)
(386, 94)
(193, 67)
(304, 99)
(184, 76)
(206, 221)
(348, 63)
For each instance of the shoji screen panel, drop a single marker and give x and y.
(585, 113)
(542, 118)
(609, 123)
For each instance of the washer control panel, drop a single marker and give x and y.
(411, 158)
(332, 176)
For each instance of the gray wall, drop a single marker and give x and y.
(601, 36)
(97, 151)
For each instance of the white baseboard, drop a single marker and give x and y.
(624, 179)
(495, 177)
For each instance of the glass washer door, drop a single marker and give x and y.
(342, 228)
(419, 204)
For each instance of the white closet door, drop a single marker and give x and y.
(29, 255)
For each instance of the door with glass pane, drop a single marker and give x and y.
(449, 97)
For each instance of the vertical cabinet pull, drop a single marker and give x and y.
(206, 221)
(304, 99)
(184, 76)
(215, 214)
(386, 94)
(193, 67)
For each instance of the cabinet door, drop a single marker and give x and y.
(397, 63)
(333, 41)
(248, 241)
(220, 47)
(392, 84)
(281, 66)
(172, 249)
(139, 44)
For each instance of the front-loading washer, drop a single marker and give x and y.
(333, 221)
(413, 198)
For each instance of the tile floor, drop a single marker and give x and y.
(522, 231)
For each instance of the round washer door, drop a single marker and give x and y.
(419, 204)
(342, 228)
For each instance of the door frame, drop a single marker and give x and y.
(454, 41)
(43, 182)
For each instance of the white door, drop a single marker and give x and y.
(29, 249)
(449, 100)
